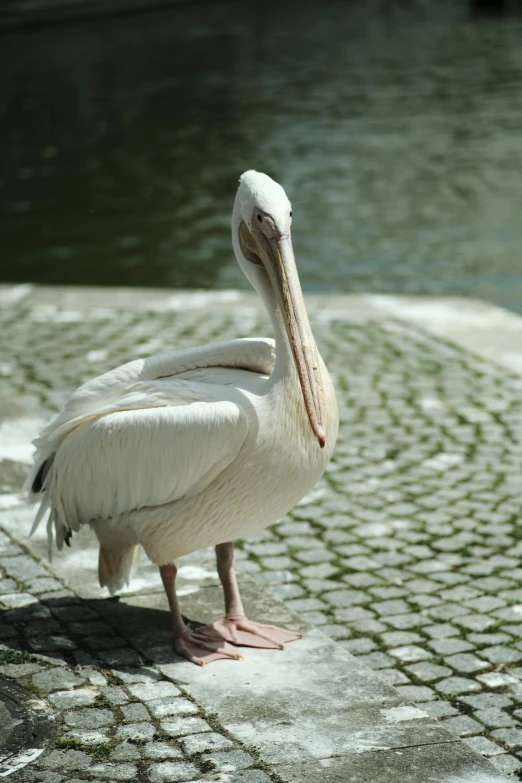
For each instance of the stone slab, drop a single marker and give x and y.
(316, 707)
(312, 711)
(405, 765)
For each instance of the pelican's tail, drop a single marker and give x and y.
(115, 566)
(38, 488)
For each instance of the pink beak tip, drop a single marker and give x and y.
(322, 440)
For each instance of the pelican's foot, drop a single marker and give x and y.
(204, 645)
(242, 631)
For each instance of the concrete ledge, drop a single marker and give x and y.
(488, 331)
(425, 763)
(313, 712)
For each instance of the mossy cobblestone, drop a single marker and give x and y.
(408, 552)
(96, 741)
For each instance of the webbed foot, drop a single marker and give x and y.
(204, 645)
(241, 631)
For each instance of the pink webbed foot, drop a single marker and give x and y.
(204, 645)
(246, 633)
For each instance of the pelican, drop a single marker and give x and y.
(198, 447)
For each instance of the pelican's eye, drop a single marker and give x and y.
(260, 218)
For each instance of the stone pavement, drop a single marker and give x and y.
(407, 554)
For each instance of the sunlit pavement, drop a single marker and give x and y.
(407, 554)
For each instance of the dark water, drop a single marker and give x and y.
(394, 126)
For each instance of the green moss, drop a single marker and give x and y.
(254, 752)
(15, 656)
(71, 743)
(205, 765)
(101, 702)
(97, 752)
(212, 720)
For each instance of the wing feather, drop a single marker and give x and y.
(139, 458)
(131, 386)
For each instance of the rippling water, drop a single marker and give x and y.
(394, 126)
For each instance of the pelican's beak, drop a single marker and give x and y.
(278, 258)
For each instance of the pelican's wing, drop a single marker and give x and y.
(139, 458)
(252, 354)
(128, 386)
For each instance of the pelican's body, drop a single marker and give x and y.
(198, 447)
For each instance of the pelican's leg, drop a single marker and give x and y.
(198, 647)
(236, 627)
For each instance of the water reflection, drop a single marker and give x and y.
(394, 126)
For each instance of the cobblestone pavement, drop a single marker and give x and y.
(408, 552)
(121, 720)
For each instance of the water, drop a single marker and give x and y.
(394, 127)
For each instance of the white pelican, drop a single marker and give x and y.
(196, 448)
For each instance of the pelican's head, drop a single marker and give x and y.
(261, 236)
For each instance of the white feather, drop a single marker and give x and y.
(122, 386)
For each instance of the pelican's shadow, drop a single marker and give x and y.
(118, 632)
